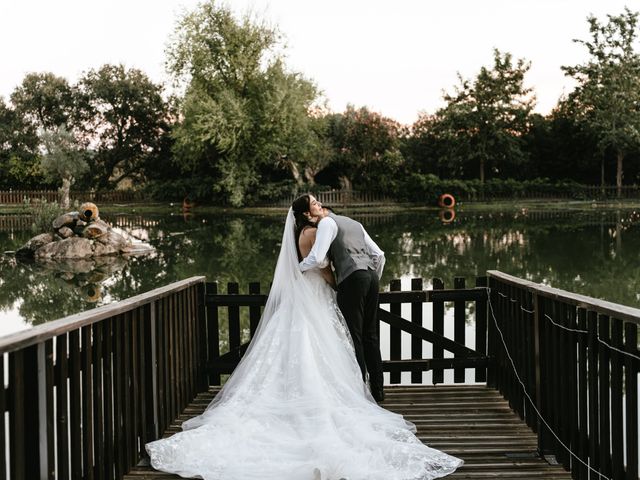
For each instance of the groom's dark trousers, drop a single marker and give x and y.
(358, 302)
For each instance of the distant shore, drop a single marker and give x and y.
(504, 205)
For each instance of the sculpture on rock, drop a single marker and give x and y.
(78, 235)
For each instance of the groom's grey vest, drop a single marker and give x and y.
(348, 250)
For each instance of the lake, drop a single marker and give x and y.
(593, 251)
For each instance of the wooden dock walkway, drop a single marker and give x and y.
(472, 422)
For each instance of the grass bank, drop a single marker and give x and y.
(503, 205)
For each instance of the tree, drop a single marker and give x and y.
(18, 150)
(44, 100)
(485, 119)
(363, 142)
(243, 112)
(63, 160)
(607, 97)
(123, 117)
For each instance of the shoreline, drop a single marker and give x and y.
(505, 205)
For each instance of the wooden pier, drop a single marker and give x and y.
(548, 375)
(471, 422)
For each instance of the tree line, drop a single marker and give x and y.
(240, 127)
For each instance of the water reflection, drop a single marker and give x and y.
(590, 252)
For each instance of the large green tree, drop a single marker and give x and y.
(44, 100)
(124, 118)
(243, 112)
(607, 96)
(366, 146)
(485, 118)
(19, 160)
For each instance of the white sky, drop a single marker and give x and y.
(394, 56)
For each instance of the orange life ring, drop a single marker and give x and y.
(447, 200)
(447, 215)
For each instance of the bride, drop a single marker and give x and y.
(296, 407)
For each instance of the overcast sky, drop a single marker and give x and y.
(394, 56)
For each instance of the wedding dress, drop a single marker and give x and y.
(296, 407)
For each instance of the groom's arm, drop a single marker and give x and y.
(326, 233)
(376, 253)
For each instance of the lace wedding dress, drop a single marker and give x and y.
(296, 407)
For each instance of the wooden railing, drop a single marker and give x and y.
(578, 360)
(16, 197)
(86, 392)
(232, 319)
(338, 198)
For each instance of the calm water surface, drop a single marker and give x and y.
(593, 252)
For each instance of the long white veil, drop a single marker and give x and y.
(292, 294)
(296, 408)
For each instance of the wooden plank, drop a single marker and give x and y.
(108, 393)
(62, 434)
(425, 334)
(617, 423)
(604, 374)
(17, 439)
(75, 408)
(119, 387)
(49, 421)
(459, 325)
(98, 396)
(202, 337)
(631, 398)
(429, 364)
(131, 387)
(438, 329)
(481, 328)
(234, 318)
(395, 334)
(213, 332)
(87, 404)
(3, 425)
(145, 347)
(579, 468)
(416, 343)
(254, 310)
(593, 347)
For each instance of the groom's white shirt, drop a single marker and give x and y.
(325, 235)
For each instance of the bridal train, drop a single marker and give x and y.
(296, 407)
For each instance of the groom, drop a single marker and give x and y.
(358, 264)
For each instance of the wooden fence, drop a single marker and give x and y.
(578, 360)
(232, 318)
(85, 393)
(17, 197)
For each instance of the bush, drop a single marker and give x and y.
(426, 188)
(43, 213)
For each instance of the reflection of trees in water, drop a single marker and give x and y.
(594, 259)
(571, 252)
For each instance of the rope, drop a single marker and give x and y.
(575, 330)
(524, 389)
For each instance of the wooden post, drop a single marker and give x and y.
(459, 326)
(416, 343)
(438, 327)
(537, 320)
(395, 335)
(481, 329)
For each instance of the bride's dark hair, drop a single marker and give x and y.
(300, 206)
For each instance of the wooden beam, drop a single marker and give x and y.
(425, 334)
(431, 363)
